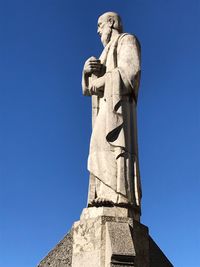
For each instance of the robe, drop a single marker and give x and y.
(113, 156)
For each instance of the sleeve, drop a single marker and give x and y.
(85, 84)
(128, 62)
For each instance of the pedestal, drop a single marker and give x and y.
(106, 237)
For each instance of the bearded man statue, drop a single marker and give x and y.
(113, 83)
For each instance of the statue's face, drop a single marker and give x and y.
(104, 29)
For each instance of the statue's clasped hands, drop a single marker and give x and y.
(94, 66)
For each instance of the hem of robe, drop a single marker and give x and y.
(118, 197)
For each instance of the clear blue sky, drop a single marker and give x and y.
(46, 122)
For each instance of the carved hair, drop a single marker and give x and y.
(117, 25)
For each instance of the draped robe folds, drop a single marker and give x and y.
(113, 157)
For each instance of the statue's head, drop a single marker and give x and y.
(108, 23)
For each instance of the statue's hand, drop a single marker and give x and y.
(97, 86)
(93, 66)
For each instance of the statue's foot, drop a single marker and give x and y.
(101, 202)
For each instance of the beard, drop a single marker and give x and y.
(106, 36)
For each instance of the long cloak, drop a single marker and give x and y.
(113, 157)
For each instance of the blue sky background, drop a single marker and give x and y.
(46, 122)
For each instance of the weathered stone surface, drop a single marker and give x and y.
(113, 81)
(106, 241)
(109, 233)
(61, 255)
(119, 244)
(89, 239)
(140, 235)
(94, 212)
(87, 243)
(119, 238)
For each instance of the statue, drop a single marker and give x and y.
(109, 232)
(113, 82)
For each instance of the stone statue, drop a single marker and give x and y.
(109, 232)
(113, 82)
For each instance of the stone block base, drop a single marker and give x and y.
(106, 237)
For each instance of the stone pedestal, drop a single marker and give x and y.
(106, 237)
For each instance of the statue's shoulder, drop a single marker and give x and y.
(128, 38)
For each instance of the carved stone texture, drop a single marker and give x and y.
(112, 81)
(61, 255)
(103, 239)
(93, 212)
(106, 239)
(119, 245)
